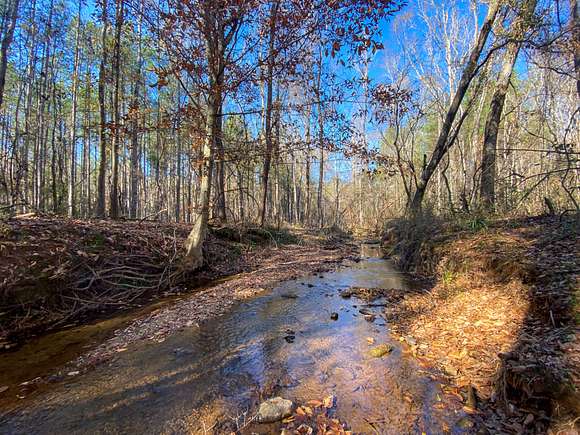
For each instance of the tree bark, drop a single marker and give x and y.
(268, 114)
(488, 162)
(73, 122)
(6, 42)
(320, 199)
(575, 29)
(101, 194)
(215, 49)
(194, 242)
(443, 143)
(135, 157)
(114, 211)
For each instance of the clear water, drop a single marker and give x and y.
(203, 380)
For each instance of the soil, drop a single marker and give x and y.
(240, 263)
(500, 318)
(58, 272)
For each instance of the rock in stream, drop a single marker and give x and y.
(274, 409)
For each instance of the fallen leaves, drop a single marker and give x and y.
(314, 417)
(508, 291)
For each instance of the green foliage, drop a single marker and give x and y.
(477, 223)
(448, 277)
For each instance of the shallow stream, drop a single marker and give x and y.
(210, 379)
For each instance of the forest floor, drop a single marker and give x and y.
(501, 317)
(57, 272)
(61, 277)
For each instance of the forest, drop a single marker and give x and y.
(167, 163)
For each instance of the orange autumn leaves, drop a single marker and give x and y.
(313, 417)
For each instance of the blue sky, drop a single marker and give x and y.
(406, 21)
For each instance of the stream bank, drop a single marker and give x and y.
(501, 316)
(56, 273)
(302, 340)
(40, 363)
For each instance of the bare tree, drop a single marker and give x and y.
(443, 141)
(488, 163)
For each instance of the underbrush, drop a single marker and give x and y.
(56, 271)
(502, 314)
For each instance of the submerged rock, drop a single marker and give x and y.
(334, 316)
(370, 317)
(346, 293)
(289, 295)
(274, 409)
(381, 350)
(465, 423)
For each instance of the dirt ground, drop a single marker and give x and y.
(57, 272)
(500, 319)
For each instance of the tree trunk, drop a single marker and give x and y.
(135, 157)
(488, 162)
(73, 121)
(443, 143)
(6, 41)
(215, 49)
(178, 163)
(194, 242)
(268, 114)
(221, 177)
(307, 205)
(114, 211)
(575, 29)
(320, 199)
(101, 194)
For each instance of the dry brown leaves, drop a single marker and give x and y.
(315, 417)
(501, 318)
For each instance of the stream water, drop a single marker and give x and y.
(214, 376)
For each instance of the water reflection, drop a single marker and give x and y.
(205, 376)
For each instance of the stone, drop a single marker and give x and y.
(289, 295)
(381, 350)
(346, 293)
(450, 370)
(274, 409)
(334, 316)
(370, 317)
